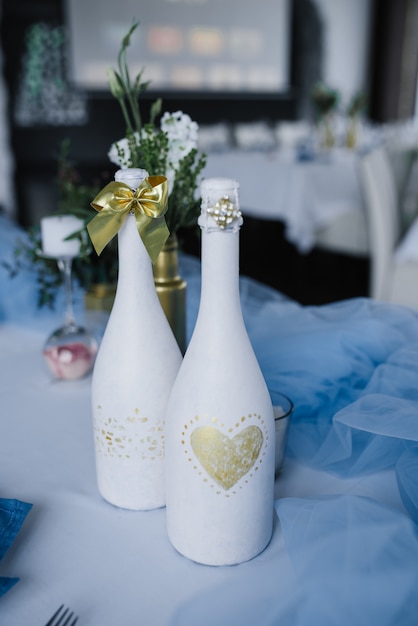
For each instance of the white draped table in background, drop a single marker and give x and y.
(319, 200)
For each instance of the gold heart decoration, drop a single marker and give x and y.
(226, 459)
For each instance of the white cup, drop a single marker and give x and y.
(283, 409)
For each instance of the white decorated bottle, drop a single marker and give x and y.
(220, 424)
(134, 371)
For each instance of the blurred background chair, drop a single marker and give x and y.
(393, 255)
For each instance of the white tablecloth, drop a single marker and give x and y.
(344, 548)
(344, 540)
(309, 196)
(112, 566)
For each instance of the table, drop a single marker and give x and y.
(319, 200)
(344, 549)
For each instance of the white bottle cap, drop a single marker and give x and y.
(220, 204)
(132, 176)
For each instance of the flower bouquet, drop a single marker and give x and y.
(355, 107)
(357, 104)
(168, 148)
(325, 101)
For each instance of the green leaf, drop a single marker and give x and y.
(115, 81)
(155, 110)
(127, 38)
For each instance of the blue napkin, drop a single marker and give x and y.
(12, 515)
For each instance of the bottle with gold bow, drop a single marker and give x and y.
(139, 357)
(220, 422)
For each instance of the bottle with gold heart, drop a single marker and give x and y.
(220, 421)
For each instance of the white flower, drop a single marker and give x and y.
(113, 152)
(170, 175)
(120, 153)
(182, 135)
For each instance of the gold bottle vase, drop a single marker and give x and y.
(171, 289)
(351, 138)
(327, 133)
(100, 296)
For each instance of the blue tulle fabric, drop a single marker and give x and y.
(351, 369)
(348, 560)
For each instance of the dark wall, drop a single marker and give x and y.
(394, 60)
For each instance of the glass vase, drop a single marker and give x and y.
(327, 133)
(351, 138)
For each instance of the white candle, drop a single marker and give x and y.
(54, 230)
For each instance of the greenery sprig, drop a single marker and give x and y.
(324, 98)
(357, 104)
(73, 197)
(168, 149)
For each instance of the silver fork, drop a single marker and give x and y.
(59, 616)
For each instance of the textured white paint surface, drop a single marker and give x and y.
(219, 497)
(135, 369)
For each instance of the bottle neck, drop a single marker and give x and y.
(134, 262)
(135, 267)
(220, 275)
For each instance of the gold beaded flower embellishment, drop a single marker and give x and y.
(224, 212)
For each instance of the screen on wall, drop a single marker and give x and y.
(184, 45)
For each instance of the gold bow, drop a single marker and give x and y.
(148, 203)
